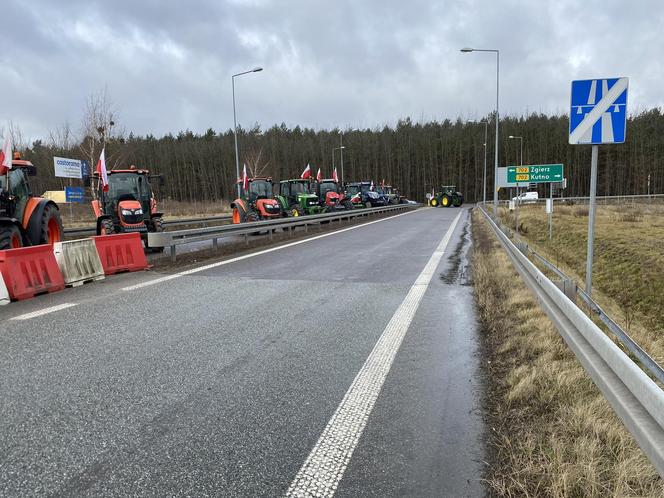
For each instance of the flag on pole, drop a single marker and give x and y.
(101, 171)
(306, 173)
(245, 179)
(371, 187)
(6, 156)
(319, 176)
(335, 177)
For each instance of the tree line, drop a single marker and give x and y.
(413, 156)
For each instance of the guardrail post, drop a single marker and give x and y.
(306, 228)
(173, 255)
(271, 232)
(215, 245)
(568, 286)
(246, 239)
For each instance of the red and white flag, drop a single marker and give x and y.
(371, 187)
(319, 176)
(245, 179)
(101, 171)
(306, 173)
(6, 156)
(335, 177)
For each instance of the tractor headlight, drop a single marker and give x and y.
(138, 211)
(126, 212)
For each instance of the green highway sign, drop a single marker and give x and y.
(537, 173)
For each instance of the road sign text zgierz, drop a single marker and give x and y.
(539, 173)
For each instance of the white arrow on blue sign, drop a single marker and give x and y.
(598, 111)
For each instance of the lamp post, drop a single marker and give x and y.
(486, 132)
(516, 205)
(495, 166)
(341, 148)
(237, 155)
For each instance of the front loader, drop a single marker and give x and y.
(25, 220)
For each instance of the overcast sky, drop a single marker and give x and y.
(167, 64)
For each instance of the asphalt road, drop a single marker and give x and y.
(228, 380)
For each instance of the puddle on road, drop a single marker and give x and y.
(458, 268)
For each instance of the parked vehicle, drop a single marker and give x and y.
(298, 197)
(331, 196)
(361, 195)
(447, 196)
(390, 193)
(25, 220)
(257, 202)
(526, 197)
(129, 204)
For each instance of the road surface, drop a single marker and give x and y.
(344, 364)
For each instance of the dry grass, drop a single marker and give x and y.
(628, 274)
(551, 431)
(81, 215)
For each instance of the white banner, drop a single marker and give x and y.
(67, 168)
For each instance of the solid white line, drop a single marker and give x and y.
(325, 466)
(253, 254)
(44, 311)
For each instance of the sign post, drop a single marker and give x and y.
(598, 115)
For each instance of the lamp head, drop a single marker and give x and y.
(467, 49)
(257, 69)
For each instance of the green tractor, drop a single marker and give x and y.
(448, 196)
(298, 197)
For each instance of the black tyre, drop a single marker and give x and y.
(445, 201)
(157, 224)
(106, 227)
(296, 211)
(10, 237)
(51, 226)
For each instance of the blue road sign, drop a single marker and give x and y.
(74, 194)
(598, 113)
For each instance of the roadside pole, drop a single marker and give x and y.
(591, 220)
(550, 211)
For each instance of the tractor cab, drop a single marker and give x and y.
(257, 202)
(129, 204)
(298, 197)
(15, 188)
(331, 195)
(259, 188)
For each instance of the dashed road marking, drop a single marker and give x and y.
(253, 254)
(44, 311)
(324, 467)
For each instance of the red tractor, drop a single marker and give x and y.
(129, 205)
(331, 196)
(25, 220)
(257, 202)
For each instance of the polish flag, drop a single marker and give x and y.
(101, 171)
(306, 173)
(335, 177)
(245, 179)
(371, 187)
(319, 176)
(6, 156)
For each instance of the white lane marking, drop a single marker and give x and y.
(44, 311)
(325, 466)
(253, 254)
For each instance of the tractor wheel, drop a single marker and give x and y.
(239, 215)
(445, 201)
(10, 237)
(107, 227)
(348, 205)
(434, 202)
(296, 211)
(456, 202)
(51, 226)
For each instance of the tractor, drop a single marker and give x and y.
(256, 203)
(331, 196)
(298, 197)
(389, 192)
(129, 204)
(25, 220)
(361, 195)
(448, 196)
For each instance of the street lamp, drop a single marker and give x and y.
(341, 148)
(237, 155)
(495, 167)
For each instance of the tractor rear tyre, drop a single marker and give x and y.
(51, 226)
(10, 237)
(239, 215)
(107, 227)
(348, 205)
(445, 201)
(456, 202)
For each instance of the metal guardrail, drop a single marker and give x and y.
(173, 223)
(634, 396)
(175, 238)
(603, 198)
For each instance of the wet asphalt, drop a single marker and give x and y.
(219, 383)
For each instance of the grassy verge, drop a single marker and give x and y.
(628, 274)
(550, 430)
